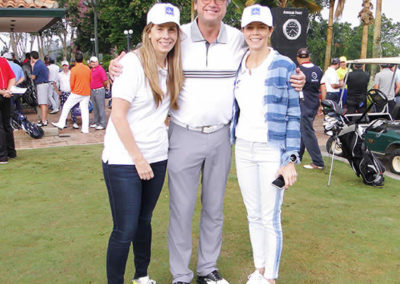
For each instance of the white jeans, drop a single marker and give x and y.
(256, 166)
(72, 100)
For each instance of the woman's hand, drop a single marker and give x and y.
(115, 68)
(143, 168)
(289, 174)
(298, 81)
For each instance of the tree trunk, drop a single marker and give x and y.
(376, 46)
(364, 42)
(329, 35)
(192, 11)
(14, 43)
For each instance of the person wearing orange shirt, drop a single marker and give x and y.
(80, 93)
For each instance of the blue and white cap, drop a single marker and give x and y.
(257, 13)
(162, 13)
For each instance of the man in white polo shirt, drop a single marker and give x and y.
(199, 139)
(332, 82)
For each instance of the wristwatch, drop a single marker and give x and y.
(293, 158)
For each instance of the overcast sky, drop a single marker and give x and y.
(391, 8)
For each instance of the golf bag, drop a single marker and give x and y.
(352, 139)
(19, 121)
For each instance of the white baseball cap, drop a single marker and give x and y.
(162, 13)
(93, 59)
(64, 62)
(257, 13)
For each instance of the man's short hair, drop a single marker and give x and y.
(51, 60)
(303, 52)
(79, 57)
(358, 65)
(28, 55)
(335, 61)
(35, 55)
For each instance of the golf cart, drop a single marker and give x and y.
(384, 139)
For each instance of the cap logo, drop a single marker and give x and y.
(255, 11)
(169, 11)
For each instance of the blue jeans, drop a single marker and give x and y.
(333, 96)
(132, 202)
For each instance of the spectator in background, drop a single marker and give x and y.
(7, 80)
(40, 76)
(64, 88)
(19, 78)
(98, 81)
(53, 96)
(27, 58)
(385, 83)
(357, 85)
(309, 106)
(397, 91)
(332, 82)
(341, 72)
(80, 93)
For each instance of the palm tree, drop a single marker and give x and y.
(376, 47)
(338, 13)
(366, 18)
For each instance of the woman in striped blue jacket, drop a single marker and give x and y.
(266, 126)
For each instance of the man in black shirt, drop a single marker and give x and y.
(357, 84)
(309, 105)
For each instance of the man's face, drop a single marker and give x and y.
(94, 64)
(65, 68)
(210, 12)
(343, 64)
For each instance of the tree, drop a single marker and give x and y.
(366, 19)
(376, 47)
(338, 13)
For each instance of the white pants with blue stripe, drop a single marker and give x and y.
(256, 166)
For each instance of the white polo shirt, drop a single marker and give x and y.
(207, 97)
(63, 81)
(146, 121)
(330, 78)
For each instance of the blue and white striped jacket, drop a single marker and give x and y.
(282, 103)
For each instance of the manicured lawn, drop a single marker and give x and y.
(55, 222)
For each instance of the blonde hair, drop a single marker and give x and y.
(175, 72)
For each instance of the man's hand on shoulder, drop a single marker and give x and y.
(115, 68)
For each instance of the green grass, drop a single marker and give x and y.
(55, 222)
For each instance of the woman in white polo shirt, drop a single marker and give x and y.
(136, 142)
(267, 132)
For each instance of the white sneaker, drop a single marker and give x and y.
(75, 125)
(54, 111)
(256, 278)
(85, 132)
(55, 124)
(94, 125)
(99, 127)
(144, 280)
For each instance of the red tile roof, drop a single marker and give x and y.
(28, 4)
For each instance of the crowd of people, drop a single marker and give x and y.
(66, 88)
(219, 86)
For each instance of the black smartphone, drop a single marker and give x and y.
(279, 182)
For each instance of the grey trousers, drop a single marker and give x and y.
(98, 99)
(192, 154)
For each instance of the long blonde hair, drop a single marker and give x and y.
(175, 71)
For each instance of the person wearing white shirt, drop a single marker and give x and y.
(332, 82)
(53, 96)
(136, 140)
